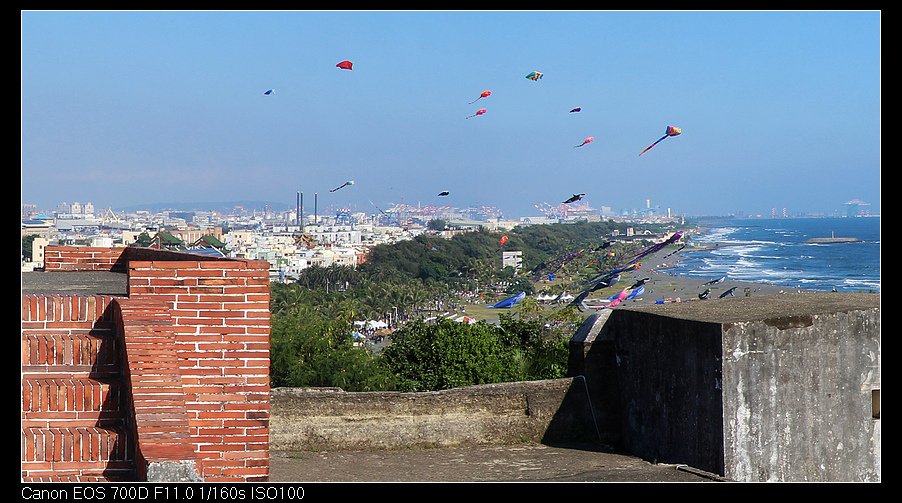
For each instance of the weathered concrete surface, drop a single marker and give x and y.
(592, 358)
(506, 413)
(755, 389)
(481, 463)
(75, 282)
(173, 471)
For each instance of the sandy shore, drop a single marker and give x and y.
(664, 285)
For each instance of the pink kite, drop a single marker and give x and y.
(587, 140)
(345, 65)
(485, 94)
(478, 112)
(619, 298)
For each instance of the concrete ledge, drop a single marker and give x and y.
(172, 471)
(504, 413)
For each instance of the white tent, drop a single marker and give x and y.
(371, 324)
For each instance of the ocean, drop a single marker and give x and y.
(774, 251)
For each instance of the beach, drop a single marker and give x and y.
(664, 285)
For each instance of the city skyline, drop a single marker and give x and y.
(777, 109)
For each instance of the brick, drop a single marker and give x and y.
(223, 265)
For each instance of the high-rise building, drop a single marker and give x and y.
(88, 208)
(75, 208)
(28, 210)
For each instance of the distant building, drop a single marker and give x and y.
(512, 259)
(856, 207)
(28, 210)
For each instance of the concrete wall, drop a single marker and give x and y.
(546, 411)
(775, 388)
(799, 400)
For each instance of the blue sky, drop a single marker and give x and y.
(777, 108)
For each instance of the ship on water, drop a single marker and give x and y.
(832, 239)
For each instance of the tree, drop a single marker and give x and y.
(27, 243)
(437, 224)
(430, 357)
(541, 338)
(309, 349)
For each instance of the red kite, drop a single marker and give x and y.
(502, 241)
(587, 140)
(345, 65)
(478, 113)
(485, 94)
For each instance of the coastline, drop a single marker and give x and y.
(667, 286)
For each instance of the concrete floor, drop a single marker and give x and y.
(492, 463)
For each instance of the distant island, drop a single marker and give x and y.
(832, 239)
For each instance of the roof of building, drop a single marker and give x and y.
(169, 238)
(211, 251)
(210, 240)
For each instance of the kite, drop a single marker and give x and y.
(478, 113)
(268, 92)
(606, 244)
(714, 281)
(633, 293)
(502, 241)
(610, 280)
(509, 302)
(670, 131)
(574, 198)
(727, 293)
(657, 247)
(534, 75)
(485, 94)
(587, 140)
(704, 295)
(345, 65)
(577, 109)
(444, 193)
(349, 182)
(620, 297)
(674, 252)
(640, 282)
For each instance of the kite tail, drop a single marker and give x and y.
(652, 145)
(474, 101)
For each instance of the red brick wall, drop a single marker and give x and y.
(66, 314)
(93, 258)
(65, 340)
(83, 258)
(220, 315)
(152, 375)
(219, 310)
